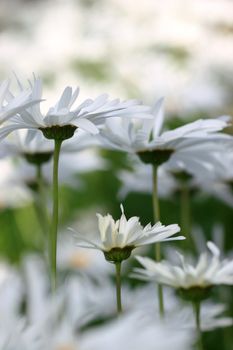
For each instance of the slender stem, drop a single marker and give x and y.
(185, 213)
(156, 212)
(197, 311)
(118, 287)
(54, 223)
(156, 208)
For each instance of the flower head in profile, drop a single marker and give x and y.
(147, 139)
(62, 119)
(191, 280)
(118, 238)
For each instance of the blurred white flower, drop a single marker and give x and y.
(21, 143)
(80, 260)
(197, 156)
(12, 193)
(180, 315)
(219, 190)
(23, 174)
(218, 236)
(211, 317)
(57, 321)
(37, 285)
(77, 163)
(11, 294)
(208, 271)
(223, 173)
(94, 299)
(139, 179)
(20, 336)
(129, 332)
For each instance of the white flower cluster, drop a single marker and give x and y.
(183, 159)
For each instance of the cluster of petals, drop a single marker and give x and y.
(127, 233)
(209, 271)
(147, 134)
(11, 104)
(87, 116)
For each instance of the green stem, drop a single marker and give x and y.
(156, 212)
(156, 208)
(197, 311)
(54, 223)
(118, 287)
(185, 213)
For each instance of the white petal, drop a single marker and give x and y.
(86, 125)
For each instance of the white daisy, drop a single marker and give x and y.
(145, 137)
(87, 116)
(123, 235)
(208, 271)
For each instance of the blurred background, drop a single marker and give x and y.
(180, 49)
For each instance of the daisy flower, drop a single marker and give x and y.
(209, 271)
(61, 121)
(154, 146)
(192, 282)
(118, 238)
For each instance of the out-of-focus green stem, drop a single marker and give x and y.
(156, 211)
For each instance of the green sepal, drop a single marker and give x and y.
(195, 294)
(117, 255)
(59, 133)
(155, 157)
(182, 176)
(38, 158)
